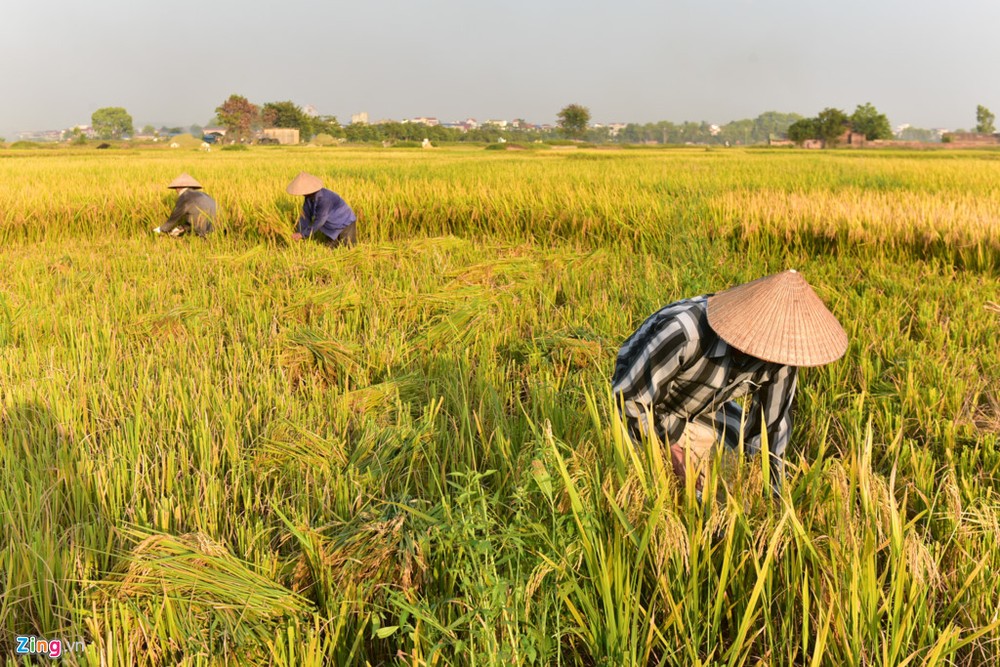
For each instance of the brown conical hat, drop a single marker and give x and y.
(304, 184)
(185, 180)
(779, 319)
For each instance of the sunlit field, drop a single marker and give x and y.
(251, 451)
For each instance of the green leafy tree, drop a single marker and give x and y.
(148, 129)
(75, 136)
(573, 120)
(985, 120)
(772, 124)
(362, 132)
(802, 130)
(868, 121)
(327, 125)
(239, 116)
(287, 114)
(830, 124)
(111, 122)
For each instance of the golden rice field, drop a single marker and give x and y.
(246, 451)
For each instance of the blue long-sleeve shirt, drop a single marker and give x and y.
(325, 211)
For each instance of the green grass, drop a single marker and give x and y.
(247, 451)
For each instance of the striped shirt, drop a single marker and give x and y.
(675, 369)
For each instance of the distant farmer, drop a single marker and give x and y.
(193, 210)
(676, 377)
(325, 217)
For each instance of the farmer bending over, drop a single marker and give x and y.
(676, 377)
(325, 217)
(193, 210)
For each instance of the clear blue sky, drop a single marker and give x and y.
(923, 62)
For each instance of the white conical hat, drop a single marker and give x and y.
(779, 319)
(304, 184)
(185, 180)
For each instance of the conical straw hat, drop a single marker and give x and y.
(304, 184)
(185, 180)
(779, 319)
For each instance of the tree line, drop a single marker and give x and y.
(243, 119)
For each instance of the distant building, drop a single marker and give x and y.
(41, 135)
(283, 135)
(423, 120)
(853, 139)
(616, 128)
(359, 118)
(969, 139)
(213, 135)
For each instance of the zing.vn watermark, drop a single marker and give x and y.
(52, 648)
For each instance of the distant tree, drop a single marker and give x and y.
(868, 121)
(239, 116)
(573, 120)
(598, 135)
(984, 120)
(772, 124)
(361, 132)
(196, 130)
(802, 130)
(111, 122)
(148, 129)
(830, 124)
(287, 114)
(75, 136)
(738, 132)
(327, 125)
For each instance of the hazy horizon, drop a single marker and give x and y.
(441, 58)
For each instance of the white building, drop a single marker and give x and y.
(359, 118)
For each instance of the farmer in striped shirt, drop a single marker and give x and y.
(677, 376)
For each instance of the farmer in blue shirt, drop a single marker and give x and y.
(325, 217)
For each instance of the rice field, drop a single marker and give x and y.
(247, 451)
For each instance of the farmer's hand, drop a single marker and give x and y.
(296, 236)
(677, 459)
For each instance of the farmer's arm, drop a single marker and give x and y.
(644, 372)
(305, 218)
(774, 403)
(320, 210)
(178, 215)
